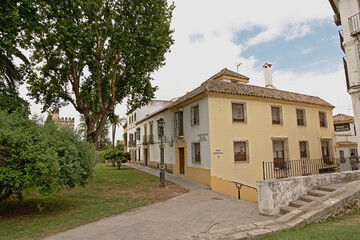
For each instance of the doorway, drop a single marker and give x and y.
(182, 160)
(146, 156)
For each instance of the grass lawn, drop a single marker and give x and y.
(343, 228)
(109, 192)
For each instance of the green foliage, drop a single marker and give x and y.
(94, 54)
(17, 17)
(40, 157)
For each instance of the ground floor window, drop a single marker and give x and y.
(240, 151)
(196, 156)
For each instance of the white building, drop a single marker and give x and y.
(345, 136)
(347, 14)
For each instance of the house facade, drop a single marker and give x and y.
(222, 131)
(345, 136)
(347, 15)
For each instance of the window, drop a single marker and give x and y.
(303, 149)
(280, 152)
(276, 115)
(238, 112)
(353, 152)
(178, 124)
(195, 115)
(139, 154)
(325, 152)
(342, 156)
(138, 133)
(196, 157)
(135, 117)
(300, 116)
(240, 151)
(322, 118)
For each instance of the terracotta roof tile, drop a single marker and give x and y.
(342, 117)
(216, 86)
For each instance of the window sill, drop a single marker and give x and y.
(244, 161)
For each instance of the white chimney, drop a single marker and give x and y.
(268, 76)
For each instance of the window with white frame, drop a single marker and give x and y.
(195, 148)
(195, 118)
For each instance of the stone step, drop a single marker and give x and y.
(308, 198)
(298, 203)
(326, 189)
(287, 209)
(317, 193)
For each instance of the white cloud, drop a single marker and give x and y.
(306, 51)
(212, 25)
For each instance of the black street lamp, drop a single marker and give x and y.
(161, 125)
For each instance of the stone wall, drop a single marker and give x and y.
(276, 193)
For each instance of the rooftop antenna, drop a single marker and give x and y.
(237, 67)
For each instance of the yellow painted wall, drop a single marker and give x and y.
(258, 131)
(197, 174)
(225, 187)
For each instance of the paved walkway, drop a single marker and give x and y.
(189, 214)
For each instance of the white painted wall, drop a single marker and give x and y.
(192, 133)
(348, 8)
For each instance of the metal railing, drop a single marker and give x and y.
(151, 138)
(292, 168)
(144, 141)
(341, 37)
(354, 24)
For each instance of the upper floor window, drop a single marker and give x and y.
(196, 156)
(322, 118)
(238, 112)
(195, 120)
(300, 116)
(240, 151)
(138, 133)
(276, 115)
(178, 124)
(135, 117)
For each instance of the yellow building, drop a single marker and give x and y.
(222, 131)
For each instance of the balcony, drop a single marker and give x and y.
(150, 138)
(341, 37)
(144, 141)
(354, 24)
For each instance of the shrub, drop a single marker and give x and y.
(39, 157)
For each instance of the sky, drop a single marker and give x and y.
(299, 39)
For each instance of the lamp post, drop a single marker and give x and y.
(161, 125)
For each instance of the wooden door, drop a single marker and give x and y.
(182, 160)
(146, 156)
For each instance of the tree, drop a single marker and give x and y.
(95, 53)
(115, 121)
(39, 157)
(17, 17)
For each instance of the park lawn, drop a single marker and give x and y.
(109, 192)
(342, 228)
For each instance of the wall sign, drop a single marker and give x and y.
(218, 152)
(202, 137)
(342, 127)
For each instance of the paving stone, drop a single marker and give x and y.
(278, 228)
(263, 224)
(239, 236)
(296, 223)
(312, 216)
(258, 233)
(246, 227)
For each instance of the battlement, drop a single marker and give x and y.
(67, 121)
